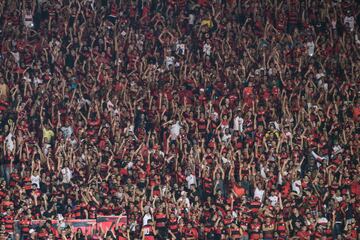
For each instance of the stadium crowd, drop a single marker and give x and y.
(198, 119)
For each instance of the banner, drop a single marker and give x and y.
(105, 222)
(86, 225)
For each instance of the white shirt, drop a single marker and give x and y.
(271, 157)
(67, 175)
(191, 179)
(191, 19)
(224, 127)
(73, 141)
(84, 101)
(140, 44)
(214, 116)
(35, 180)
(180, 48)
(238, 123)
(27, 79)
(207, 49)
(46, 148)
(273, 200)
(67, 131)
(259, 193)
(169, 60)
(129, 129)
(338, 199)
(225, 160)
(175, 130)
(185, 200)
(28, 20)
(351, 21)
(16, 55)
(9, 142)
(109, 104)
(226, 137)
(295, 186)
(311, 48)
(263, 171)
(319, 75)
(146, 218)
(337, 149)
(357, 39)
(37, 81)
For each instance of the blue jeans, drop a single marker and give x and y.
(337, 230)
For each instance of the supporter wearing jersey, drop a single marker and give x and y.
(8, 220)
(255, 230)
(25, 227)
(148, 231)
(268, 229)
(161, 222)
(173, 224)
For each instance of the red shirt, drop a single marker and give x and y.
(303, 235)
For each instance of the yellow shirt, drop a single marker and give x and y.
(207, 22)
(49, 134)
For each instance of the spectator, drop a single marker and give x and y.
(194, 119)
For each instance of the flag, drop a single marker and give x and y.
(105, 222)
